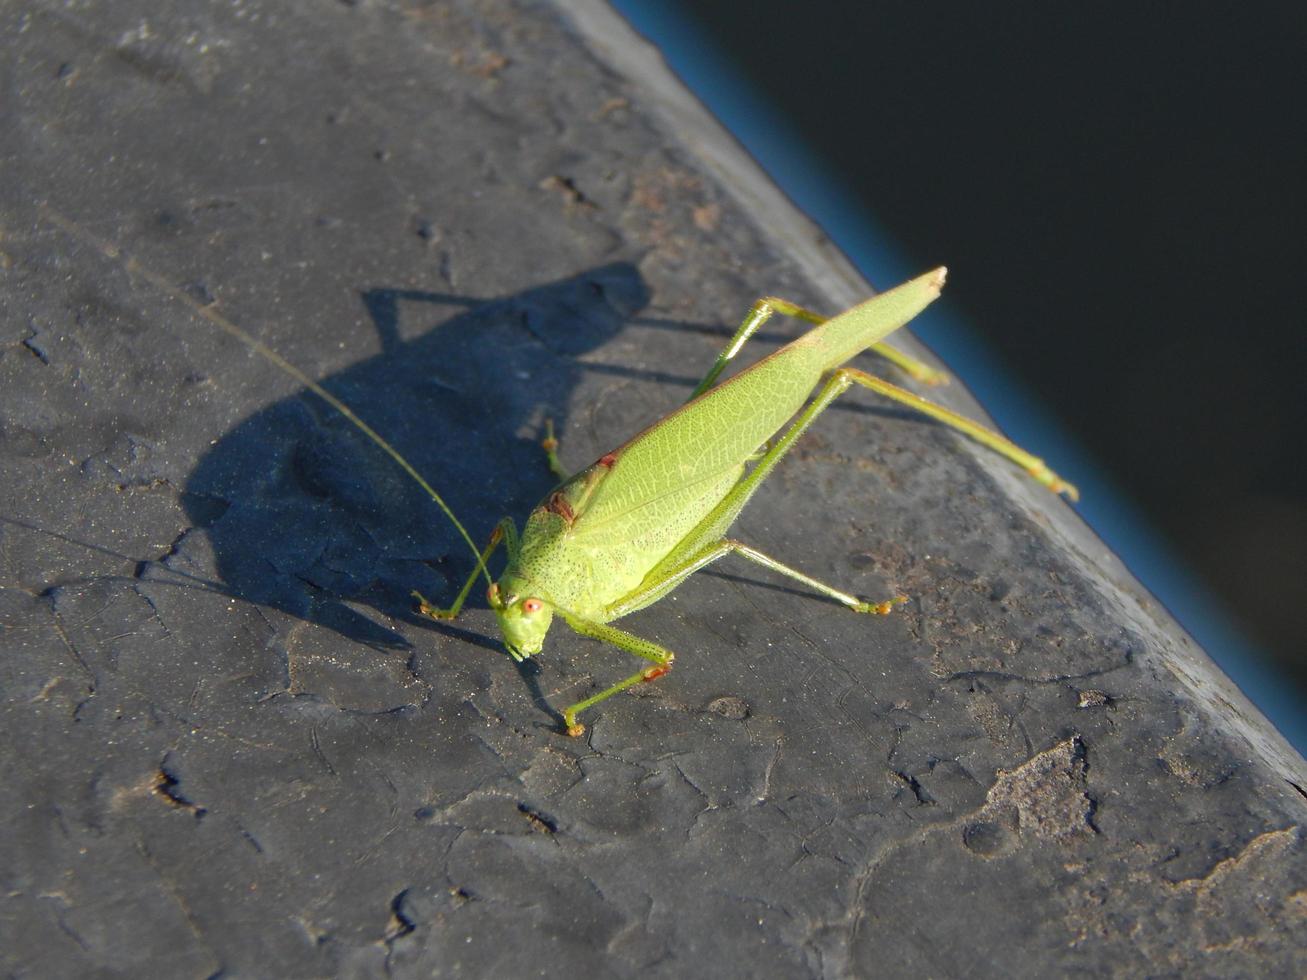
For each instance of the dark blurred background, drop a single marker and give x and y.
(1120, 191)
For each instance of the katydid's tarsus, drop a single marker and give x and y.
(630, 528)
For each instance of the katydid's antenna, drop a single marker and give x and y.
(135, 268)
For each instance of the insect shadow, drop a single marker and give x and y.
(305, 515)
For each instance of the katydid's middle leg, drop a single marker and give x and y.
(550, 445)
(650, 592)
(765, 308)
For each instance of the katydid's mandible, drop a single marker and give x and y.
(631, 527)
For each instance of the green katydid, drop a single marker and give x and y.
(630, 528)
(627, 530)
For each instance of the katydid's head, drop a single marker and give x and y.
(523, 618)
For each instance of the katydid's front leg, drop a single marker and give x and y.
(661, 657)
(765, 308)
(504, 531)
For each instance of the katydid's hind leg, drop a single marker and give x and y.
(765, 308)
(711, 530)
(1031, 463)
(759, 313)
(918, 371)
(839, 382)
(660, 656)
(550, 445)
(504, 531)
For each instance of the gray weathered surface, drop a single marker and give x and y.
(229, 744)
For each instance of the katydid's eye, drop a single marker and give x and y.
(531, 606)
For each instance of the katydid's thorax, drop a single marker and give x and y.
(548, 567)
(547, 559)
(596, 537)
